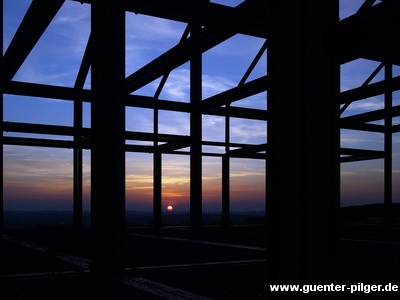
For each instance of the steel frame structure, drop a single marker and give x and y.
(306, 46)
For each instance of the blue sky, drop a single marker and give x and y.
(31, 171)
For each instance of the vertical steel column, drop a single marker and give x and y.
(196, 137)
(78, 167)
(157, 189)
(78, 170)
(157, 177)
(108, 136)
(1, 124)
(226, 175)
(78, 124)
(303, 140)
(388, 145)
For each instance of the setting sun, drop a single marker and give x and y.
(170, 207)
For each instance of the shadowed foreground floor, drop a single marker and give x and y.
(182, 263)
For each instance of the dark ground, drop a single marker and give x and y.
(368, 252)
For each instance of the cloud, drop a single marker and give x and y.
(213, 128)
(361, 140)
(72, 24)
(148, 37)
(349, 173)
(248, 131)
(177, 87)
(215, 84)
(35, 174)
(366, 105)
(57, 56)
(355, 73)
(139, 119)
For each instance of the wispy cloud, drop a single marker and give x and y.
(248, 131)
(355, 73)
(366, 105)
(148, 37)
(361, 140)
(178, 85)
(37, 173)
(56, 57)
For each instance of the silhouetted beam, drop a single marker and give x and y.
(364, 127)
(246, 18)
(151, 102)
(370, 90)
(129, 135)
(237, 112)
(245, 90)
(372, 34)
(371, 116)
(303, 140)
(175, 57)
(39, 129)
(78, 154)
(178, 55)
(396, 128)
(45, 91)
(361, 152)
(144, 136)
(85, 66)
(241, 19)
(19, 141)
(365, 6)
(66, 93)
(151, 149)
(33, 25)
(248, 149)
(170, 139)
(356, 158)
(172, 146)
(249, 155)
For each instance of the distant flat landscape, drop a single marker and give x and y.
(63, 219)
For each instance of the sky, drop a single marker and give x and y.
(41, 178)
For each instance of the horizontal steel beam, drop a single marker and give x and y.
(395, 128)
(371, 116)
(72, 94)
(372, 34)
(86, 132)
(357, 158)
(49, 143)
(361, 152)
(370, 90)
(45, 91)
(206, 39)
(43, 129)
(364, 127)
(242, 91)
(248, 149)
(247, 18)
(353, 155)
(33, 142)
